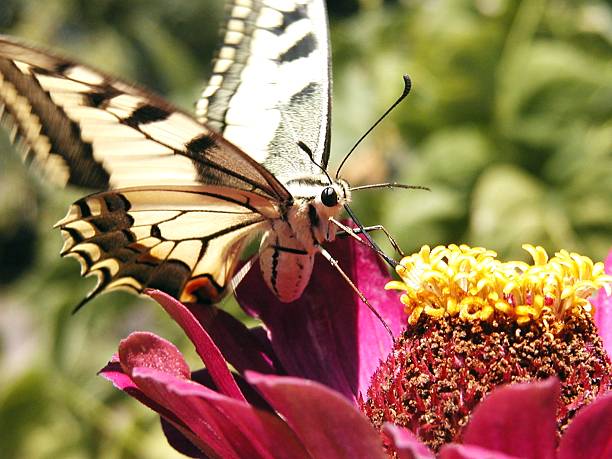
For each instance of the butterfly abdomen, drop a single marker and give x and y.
(286, 265)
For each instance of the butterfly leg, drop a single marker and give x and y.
(353, 232)
(392, 241)
(332, 261)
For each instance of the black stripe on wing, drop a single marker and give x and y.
(300, 49)
(147, 114)
(38, 114)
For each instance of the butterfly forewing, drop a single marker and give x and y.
(270, 87)
(85, 128)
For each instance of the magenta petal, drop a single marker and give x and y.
(589, 435)
(114, 373)
(264, 430)
(219, 438)
(205, 346)
(325, 422)
(240, 347)
(235, 425)
(406, 444)
(144, 349)
(454, 451)
(329, 335)
(371, 275)
(253, 397)
(603, 311)
(517, 420)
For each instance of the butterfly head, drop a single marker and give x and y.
(329, 197)
(332, 197)
(314, 204)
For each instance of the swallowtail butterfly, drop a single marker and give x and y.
(178, 196)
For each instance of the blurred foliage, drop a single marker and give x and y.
(509, 123)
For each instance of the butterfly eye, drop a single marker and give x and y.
(329, 197)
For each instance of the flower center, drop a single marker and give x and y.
(474, 323)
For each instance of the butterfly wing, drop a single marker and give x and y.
(184, 199)
(182, 240)
(84, 128)
(270, 87)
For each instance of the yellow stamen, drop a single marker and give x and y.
(472, 283)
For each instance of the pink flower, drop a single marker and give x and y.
(298, 383)
(603, 311)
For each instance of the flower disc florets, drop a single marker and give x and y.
(472, 284)
(475, 323)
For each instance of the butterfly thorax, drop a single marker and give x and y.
(288, 247)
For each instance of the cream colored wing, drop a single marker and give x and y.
(270, 89)
(184, 241)
(84, 128)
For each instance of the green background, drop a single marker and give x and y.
(509, 124)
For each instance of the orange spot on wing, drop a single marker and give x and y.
(202, 290)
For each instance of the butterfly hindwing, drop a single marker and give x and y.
(270, 87)
(182, 240)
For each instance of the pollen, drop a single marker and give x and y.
(472, 284)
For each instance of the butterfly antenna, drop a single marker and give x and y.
(389, 185)
(305, 148)
(335, 264)
(80, 305)
(407, 86)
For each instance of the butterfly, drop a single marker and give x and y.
(179, 196)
